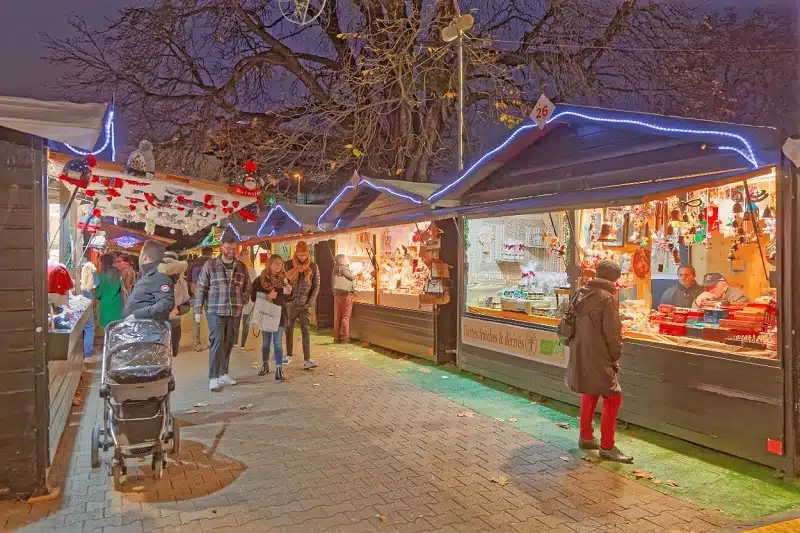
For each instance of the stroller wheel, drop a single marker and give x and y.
(95, 447)
(158, 468)
(116, 473)
(176, 436)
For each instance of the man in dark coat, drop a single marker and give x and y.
(594, 353)
(152, 296)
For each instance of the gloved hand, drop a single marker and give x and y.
(197, 317)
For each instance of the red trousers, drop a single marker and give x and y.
(608, 420)
(342, 309)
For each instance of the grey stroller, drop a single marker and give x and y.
(135, 386)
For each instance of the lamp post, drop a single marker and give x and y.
(455, 31)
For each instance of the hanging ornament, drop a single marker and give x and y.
(78, 172)
(172, 231)
(246, 183)
(142, 162)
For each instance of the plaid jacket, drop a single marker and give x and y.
(216, 295)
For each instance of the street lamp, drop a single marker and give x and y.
(455, 31)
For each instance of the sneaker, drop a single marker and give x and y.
(227, 380)
(615, 455)
(310, 364)
(264, 370)
(279, 373)
(287, 359)
(588, 444)
(214, 385)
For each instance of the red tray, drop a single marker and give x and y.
(671, 328)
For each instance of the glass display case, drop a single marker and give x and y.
(517, 266)
(359, 247)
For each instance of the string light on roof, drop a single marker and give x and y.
(374, 186)
(109, 139)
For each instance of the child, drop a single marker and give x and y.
(275, 286)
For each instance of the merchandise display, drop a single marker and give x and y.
(402, 271)
(359, 248)
(519, 267)
(65, 317)
(726, 234)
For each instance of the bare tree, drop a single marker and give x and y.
(368, 85)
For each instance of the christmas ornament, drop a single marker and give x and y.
(246, 183)
(142, 162)
(78, 172)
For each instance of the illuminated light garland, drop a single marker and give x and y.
(287, 213)
(109, 128)
(748, 153)
(381, 188)
(231, 226)
(337, 223)
(126, 241)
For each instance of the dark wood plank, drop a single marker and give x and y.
(406, 331)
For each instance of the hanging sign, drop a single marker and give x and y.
(529, 343)
(542, 111)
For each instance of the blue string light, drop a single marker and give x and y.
(337, 223)
(109, 135)
(230, 225)
(747, 153)
(271, 211)
(415, 199)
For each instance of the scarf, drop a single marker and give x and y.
(270, 282)
(299, 269)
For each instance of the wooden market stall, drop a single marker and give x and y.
(650, 192)
(37, 393)
(381, 225)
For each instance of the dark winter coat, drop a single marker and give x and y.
(152, 296)
(305, 290)
(595, 349)
(281, 299)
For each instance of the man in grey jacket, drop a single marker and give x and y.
(152, 296)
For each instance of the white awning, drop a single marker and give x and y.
(76, 124)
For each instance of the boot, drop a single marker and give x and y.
(615, 455)
(279, 373)
(588, 444)
(264, 369)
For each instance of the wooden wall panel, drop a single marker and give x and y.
(402, 330)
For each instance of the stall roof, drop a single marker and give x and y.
(128, 239)
(369, 202)
(75, 124)
(610, 196)
(586, 147)
(280, 219)
(167, 200)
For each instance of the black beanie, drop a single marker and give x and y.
(609, 270)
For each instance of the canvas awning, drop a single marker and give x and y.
(167, 200)
(76, 124)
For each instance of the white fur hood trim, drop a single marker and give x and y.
(171, 267)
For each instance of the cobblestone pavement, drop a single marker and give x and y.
(343, 448)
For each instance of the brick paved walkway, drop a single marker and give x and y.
(343, 448)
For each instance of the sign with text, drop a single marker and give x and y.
(542, 111)
(515, 340)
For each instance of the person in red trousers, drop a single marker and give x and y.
(343, 290)
(594, 353)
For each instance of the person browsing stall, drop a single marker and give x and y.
(686, 291)
(717, 291)
(152, 295)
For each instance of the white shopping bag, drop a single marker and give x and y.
(265, 316)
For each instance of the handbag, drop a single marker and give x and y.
(266, 316)
(341, 283)
(434, 286)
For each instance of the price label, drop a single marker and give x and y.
(542, 111)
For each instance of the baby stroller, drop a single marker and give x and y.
(135, 386)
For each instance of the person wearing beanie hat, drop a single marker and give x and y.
(223, 287)
(594, 352)
(303, 274)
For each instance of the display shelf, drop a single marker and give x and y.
(511, 315)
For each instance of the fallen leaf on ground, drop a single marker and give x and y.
(330, 373)
(76, 401)
(500, 419)
(425, 370)
(316, 384)
(138, 488)
(201, 404)
(671, 483)
(588, 459)
(500, 480)
(365, 345)
(657, 482)
(255, 364)
(382, 518)
(638, 473)
(190, 411)
(354, 358)
(445, 377)
(246, 407)
(563, 425)
(512, 420)
(564, 458)
(466, 414)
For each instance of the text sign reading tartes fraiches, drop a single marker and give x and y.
(542, 111)
(525, 342)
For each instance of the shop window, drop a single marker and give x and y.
(402, 273)
(517, 266)
(359, 247)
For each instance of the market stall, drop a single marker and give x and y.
(385, 228)
(37, 393)
(651, 193)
